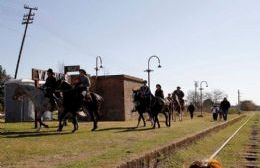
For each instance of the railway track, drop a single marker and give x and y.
(251, 156)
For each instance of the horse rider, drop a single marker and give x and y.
(169, 97)
(146, 93)
(49, 87)
(178, 96)
(159, 91)
(84, 83)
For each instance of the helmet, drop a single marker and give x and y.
(178, 87)
(50, 71)
(145, 81)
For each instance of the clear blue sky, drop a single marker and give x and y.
(213, 40)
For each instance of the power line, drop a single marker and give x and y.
(27, 19)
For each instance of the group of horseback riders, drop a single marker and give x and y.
(82, 85)
(176, 96)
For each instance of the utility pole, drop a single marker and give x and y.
(238, 101)
(27, 19)
(195, 96)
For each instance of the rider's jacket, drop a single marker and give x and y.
(145, 91)
(159, 93)
(178, 93)
(50, 84)
(84, 82)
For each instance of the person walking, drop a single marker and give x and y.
(191, 109)
(215, 111)
(224, 106)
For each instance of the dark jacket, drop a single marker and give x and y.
(145, 91)
(224, 105)
(178, 93)
(159, 93)
(50, 84)
(191, 108)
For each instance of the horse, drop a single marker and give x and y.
(40, 101)
(178, 106)
(73, 101)
(156, 106)
(139, 106)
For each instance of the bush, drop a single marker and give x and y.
(247, 105)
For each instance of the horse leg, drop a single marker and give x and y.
(180, 115)
(142, 117)
(166, 119)
(95, 115)
(158, 122)
(91, 113)
(139, 119)
(75, 122)
(61, 118)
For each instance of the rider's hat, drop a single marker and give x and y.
(158, 85)
(178, 87)
(145, 81)
(83, 71)
(50, 71)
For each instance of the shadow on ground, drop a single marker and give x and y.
(31, 134)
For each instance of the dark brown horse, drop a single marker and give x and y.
(73, 101)
(154, 106)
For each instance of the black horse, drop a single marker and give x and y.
(154, 106)
(73, 101)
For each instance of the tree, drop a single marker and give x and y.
(3, 77)
(218, 95)
(247, 105)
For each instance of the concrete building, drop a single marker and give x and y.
(117, 93)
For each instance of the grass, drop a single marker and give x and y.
(112, 144)
(204, 148)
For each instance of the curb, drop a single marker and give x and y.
(152, 158)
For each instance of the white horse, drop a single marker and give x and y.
(37, 96)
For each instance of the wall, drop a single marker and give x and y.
(117, 93)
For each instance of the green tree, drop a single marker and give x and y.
(3, 77)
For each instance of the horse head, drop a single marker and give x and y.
(19, 92)
(136, 95)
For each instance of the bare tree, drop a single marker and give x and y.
(218, 95)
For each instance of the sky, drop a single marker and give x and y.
(217, 41)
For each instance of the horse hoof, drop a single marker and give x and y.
(46, 126)
(73, 131)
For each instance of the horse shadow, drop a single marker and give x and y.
(125, 129)
(24, 134)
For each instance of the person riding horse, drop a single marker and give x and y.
(146, 94)
(178, 95)
(84, 83)
(49, 88)
(159, 91)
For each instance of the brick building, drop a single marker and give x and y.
(117, 93)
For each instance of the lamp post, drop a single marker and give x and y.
(201, 95)
(148, 70)
(98, 67)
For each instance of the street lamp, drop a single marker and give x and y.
(98, 67)
(148, 70)
(201, 94)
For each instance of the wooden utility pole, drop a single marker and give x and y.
(238, 101)
(27, 19)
